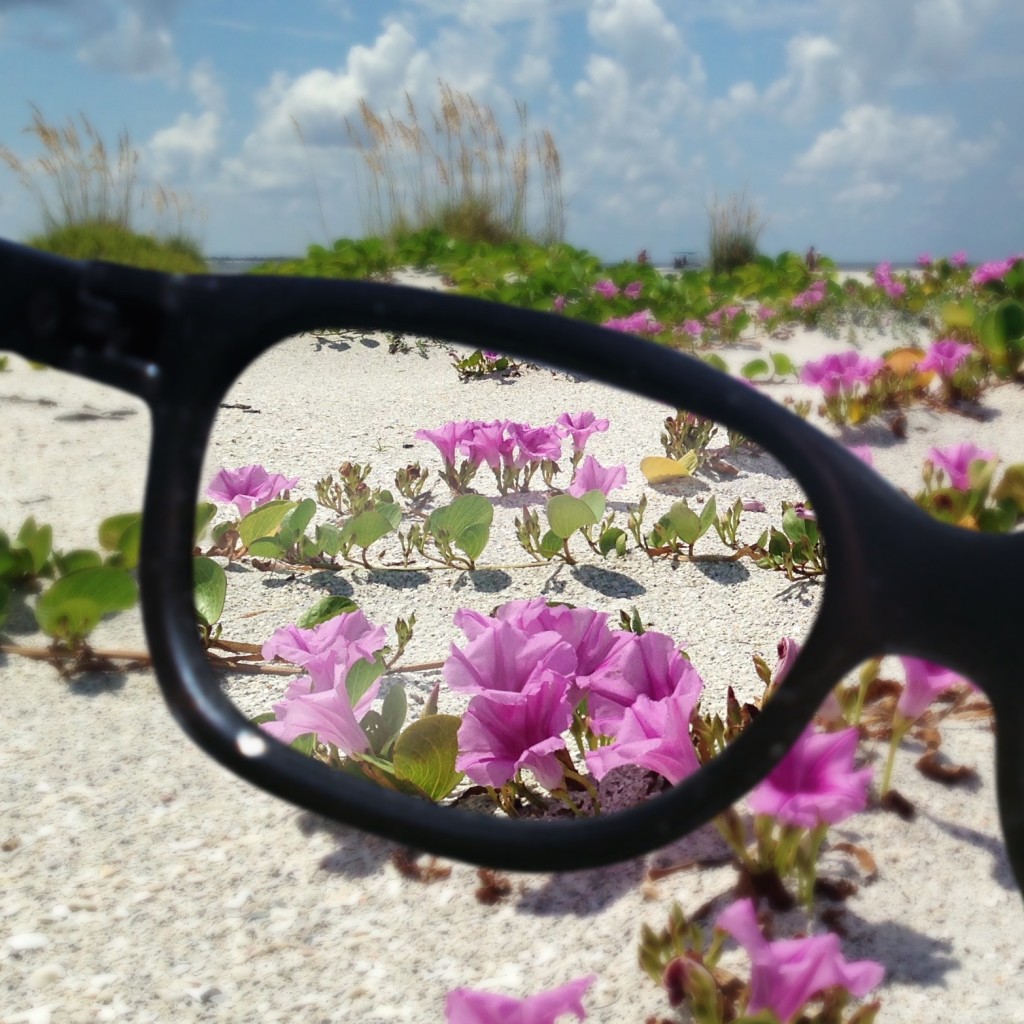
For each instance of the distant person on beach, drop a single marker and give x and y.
(812, 259)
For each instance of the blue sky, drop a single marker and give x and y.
(870, 128)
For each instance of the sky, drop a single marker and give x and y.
(872, 129)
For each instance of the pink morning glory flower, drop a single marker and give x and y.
(958, 259)
(505, 658)
(606, 289)
(693, 327)
(863, 452)
(466, 1006)
(815, 783)
(580, 426)
(811, 297)
(649, 664)
(654, 734)
(585, 630)
(764, 313)
(945, 357)
(955, 461)
(327, 713)
(633, 290)
(924, 682)
(883, 278)
(592, 476)
(641, 322)
(558, 303)
(341, 640)
(787, 973)
(447, 438)
(503, 732)
(247, 487)
(488, 442)
(840, 371)
(925, 259)
(995, 270)
(534, 444)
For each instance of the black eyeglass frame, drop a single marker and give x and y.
(898, 581)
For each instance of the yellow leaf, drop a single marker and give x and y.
(658, 469)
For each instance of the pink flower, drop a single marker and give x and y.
(633, 290)
(606, 289)
(788, 650)
(534, 444)
(649, 664)
(579, 426)
(764, 313)
(341, 640)
(864, 453)
(995, 270)
(558, 303)
(811, 297)
(585, 630)
(505, 658)
(925, 681)
(464, 1006)
(247, 487)
(503, 732)
(592, 476)
(654, 734)
(958, 259)
(787, 973)
(641, 322)
(955, 461)
(945, 357)
(840, 371)
(447, 438)
(883, 278)
(487, 442)
(328, 713)
(693, 327)
(815, 782)
(925, 259)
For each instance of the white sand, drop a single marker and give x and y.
(140, 882)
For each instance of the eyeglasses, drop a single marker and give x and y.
(183, 344)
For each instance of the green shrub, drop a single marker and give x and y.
(103, 240)
(734, 230)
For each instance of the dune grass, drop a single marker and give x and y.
(734, 230)
(89, 199)
(459, 174)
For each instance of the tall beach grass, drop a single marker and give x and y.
(454, 170)
(89, 199)
(735, 227)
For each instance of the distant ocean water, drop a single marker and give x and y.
(242, 264)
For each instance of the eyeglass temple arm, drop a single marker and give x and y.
(95, 319)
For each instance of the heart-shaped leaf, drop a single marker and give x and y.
(368, 527)
(264, 521)
(658, 469)
(425, 755)
(122, 534)
(209, 589)
(567, 514)
(466, 523)
(325, 609)
(75, 603)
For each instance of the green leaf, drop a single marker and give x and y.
(122, 534)
(264, 521)
(295, 523)
(328, 539)
(425, 755)
(368, 527)
(958, 314)
(567, 514)
(612, 539)
(267, 547)
(205, 511)
(361, 676)
(782, 364)
(325, 609)
(383, 728)
(5, 602)
(595, 501)
(713, 359)
(755, 368)
(38, 541)
(466, 523)
(793, 526)
(707, 515)
(76, 560)
(305, 744)
(75, 603)
(209, 589)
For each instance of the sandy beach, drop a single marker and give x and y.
(140, 882)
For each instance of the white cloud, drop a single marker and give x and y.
(189, 145)
(875, 151)
(638, 32)
(816, 76)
